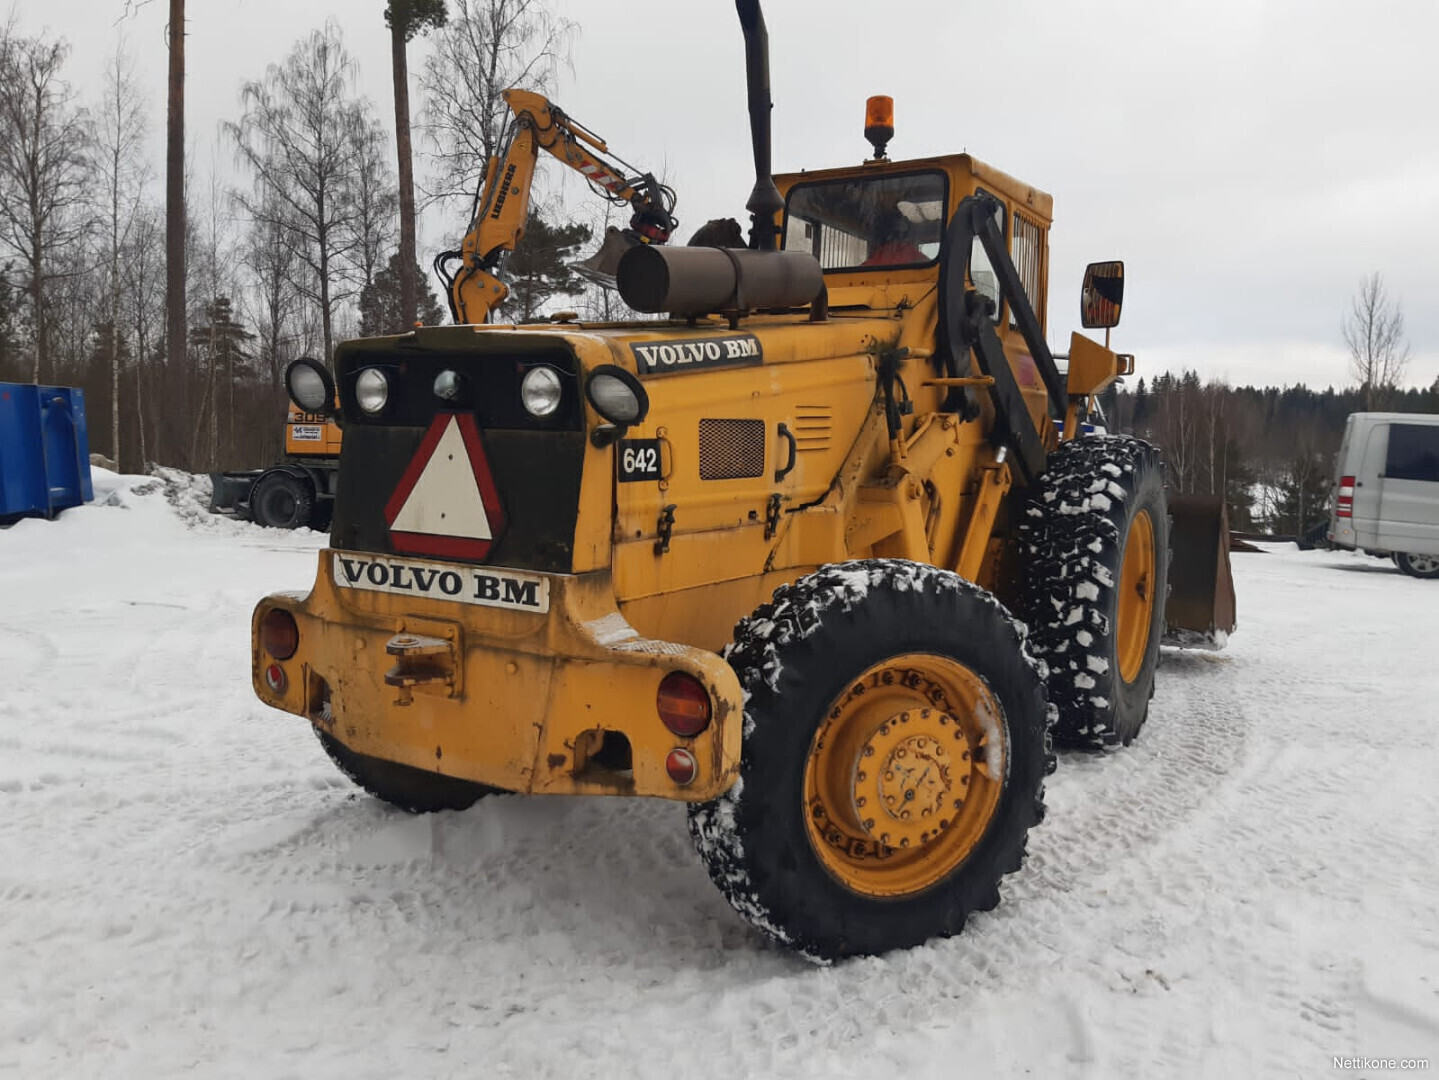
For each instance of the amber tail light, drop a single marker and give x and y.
(279, 636)
(683, 704)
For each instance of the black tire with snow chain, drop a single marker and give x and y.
(416, 791)
(282, 501)
(1080, 521)
(802, 660)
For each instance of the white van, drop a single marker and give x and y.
(1387, 489)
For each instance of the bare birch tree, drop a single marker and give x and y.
(143, 270)
(120, 133)
(44, 155)
(1374, 334)
(273, 299)
(486, 47)
(376, 202)
(298, 137)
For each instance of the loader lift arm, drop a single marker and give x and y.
(503, 201)
(966, 328)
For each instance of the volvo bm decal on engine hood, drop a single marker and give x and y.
(687, 354)
(443, 581)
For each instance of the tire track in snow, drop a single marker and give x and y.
(1270, 797)
(1105, 844)
(29, 653)
(1106, 808)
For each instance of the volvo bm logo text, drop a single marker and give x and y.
(653, 357)
(468, 584)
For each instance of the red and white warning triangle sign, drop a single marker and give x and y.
(446, 503)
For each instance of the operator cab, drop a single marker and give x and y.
(878, 229)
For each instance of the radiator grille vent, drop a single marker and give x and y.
(813, 427)
(730, 449)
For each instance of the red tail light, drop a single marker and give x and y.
(681, 766)
(1344, 502)
(683, 704)
(279, 636)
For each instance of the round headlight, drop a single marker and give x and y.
(617, 396)
(372, 389)
(309, 385)
(540, 391)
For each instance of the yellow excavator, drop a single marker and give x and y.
(502, 204)
(299, 489)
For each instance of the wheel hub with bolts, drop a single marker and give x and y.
(910, 777)
(905, 774)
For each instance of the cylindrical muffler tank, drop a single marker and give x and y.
(701, 280)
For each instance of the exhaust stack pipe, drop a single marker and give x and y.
(764, 201)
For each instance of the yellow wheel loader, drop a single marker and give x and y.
(803, 549)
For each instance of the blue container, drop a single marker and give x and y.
(44, 449)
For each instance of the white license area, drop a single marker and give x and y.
(442, 581)
(305, 432)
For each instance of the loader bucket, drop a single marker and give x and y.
(1200, 608)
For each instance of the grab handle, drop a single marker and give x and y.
(785, 433)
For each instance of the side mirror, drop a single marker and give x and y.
(1102, 295)
(310, 386)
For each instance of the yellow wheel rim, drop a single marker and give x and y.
(1136, 596)
(904, 775)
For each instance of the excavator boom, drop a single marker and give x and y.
(503, 204)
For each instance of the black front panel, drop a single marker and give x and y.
(489, 383)
(536, 464)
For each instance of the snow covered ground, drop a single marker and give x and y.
(188, 888)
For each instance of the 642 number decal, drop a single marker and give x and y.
(638, 459)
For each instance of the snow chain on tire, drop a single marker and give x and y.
(1077, 523)
(802, 661)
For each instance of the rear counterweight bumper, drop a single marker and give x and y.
(560, 701)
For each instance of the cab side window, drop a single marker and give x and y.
(981, 270)
(1026, 248)
(1413, 452)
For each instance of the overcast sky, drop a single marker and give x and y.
(1249, 160)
